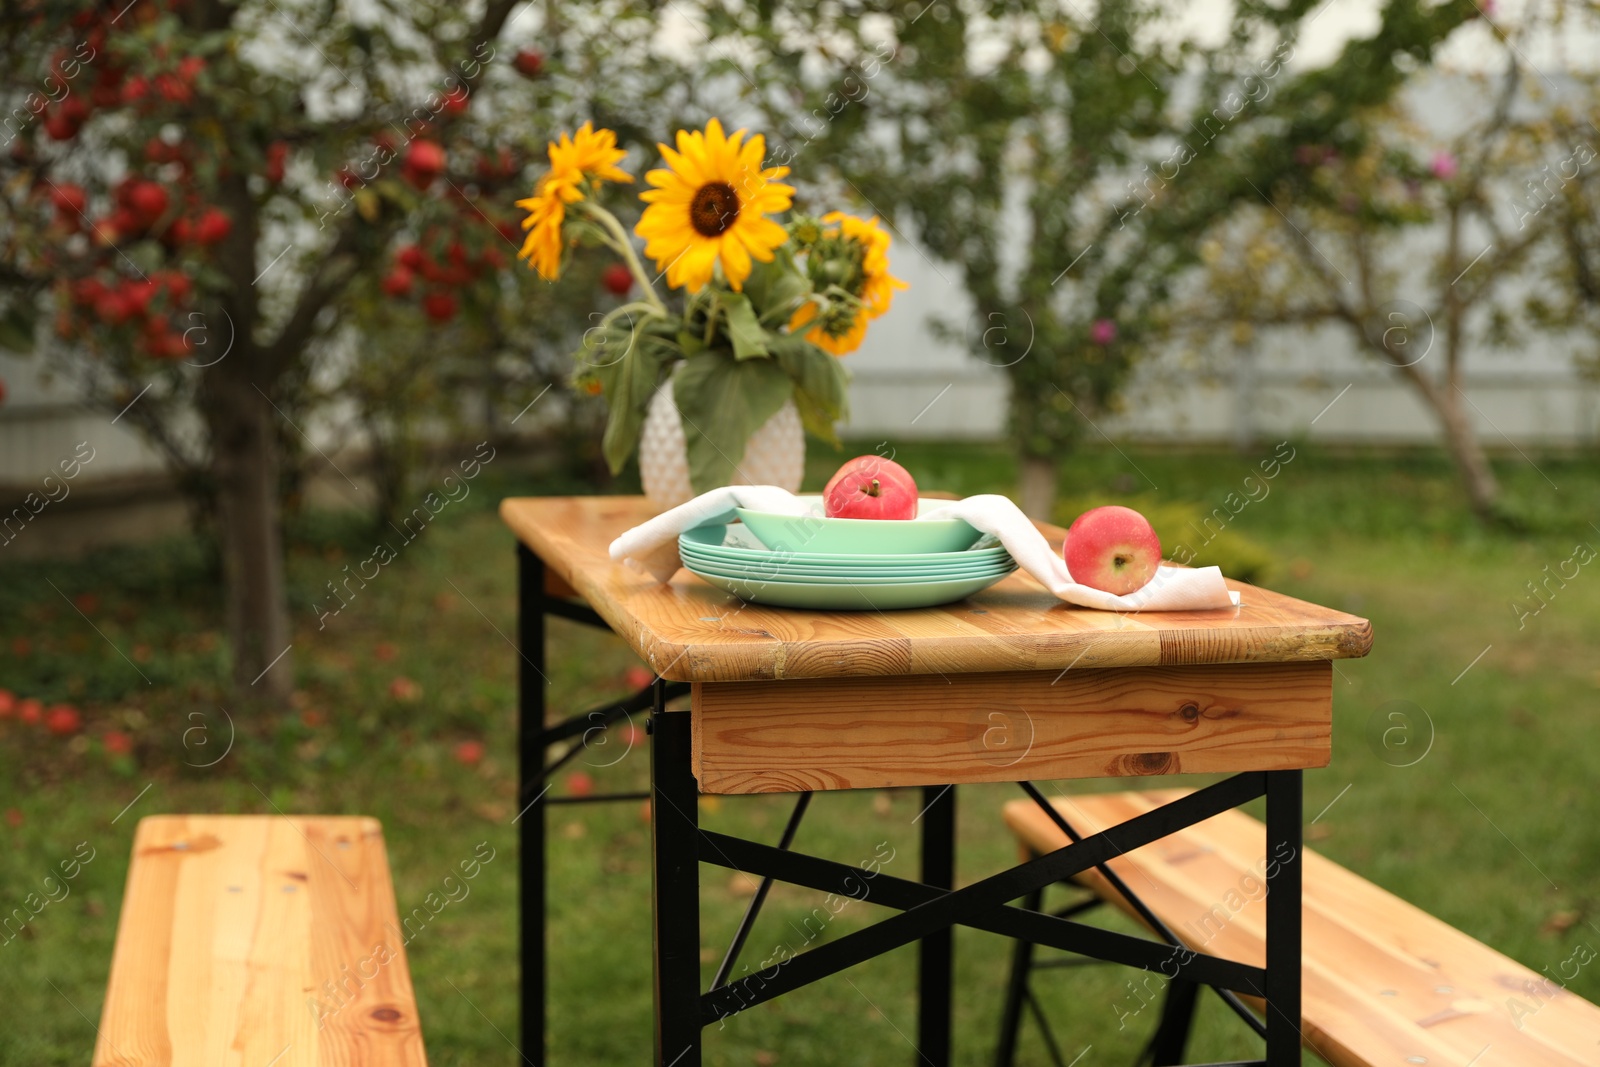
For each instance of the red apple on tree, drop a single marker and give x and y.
(277, 156)
(69, 199)
(870, 487)
(424, 162)
(1113, 549)
(440, 307)
(398, 281)
(617, 278)
(528, 63)
(212, 226)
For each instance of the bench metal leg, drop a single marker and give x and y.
(531, 822)
(1285, 811)
(675, 874)
(1005, 1052)
(935, 951)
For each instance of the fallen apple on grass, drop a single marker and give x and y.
(1113, 549)
(870, 487)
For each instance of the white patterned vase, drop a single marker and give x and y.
(774, 455)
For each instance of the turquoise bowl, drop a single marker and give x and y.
(816, 535)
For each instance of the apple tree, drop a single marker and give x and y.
(198, 198)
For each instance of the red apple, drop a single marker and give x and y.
(63, 720)
(8, 703)
(528, 63)
(403, 688)
(617, 278)
(424, 162)
(277, 155)
(469, 753)
(1113, 549)
(70, 200)
(30, 711)
(870, 487)
(212, 226)
(397, 282)
(579, 784)
(440, 307)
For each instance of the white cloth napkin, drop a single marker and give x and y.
(1172, 589)
(652, 548)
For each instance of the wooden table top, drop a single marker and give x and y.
(688, 630)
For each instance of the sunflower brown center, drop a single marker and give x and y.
(714, 208)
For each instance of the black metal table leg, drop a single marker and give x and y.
(1285, 809)
(531, 823)
(675, 876)
(934, 952)
(1177, 1021)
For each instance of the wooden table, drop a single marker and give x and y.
(1009, 685)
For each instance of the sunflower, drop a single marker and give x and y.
(710, 204)
(547, 210)
(589, 153)
(853, 255)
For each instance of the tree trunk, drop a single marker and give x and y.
(1466, 451)
(244, 448)
(1037, 486)
(1478, 477)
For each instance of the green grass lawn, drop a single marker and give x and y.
(1481, 810)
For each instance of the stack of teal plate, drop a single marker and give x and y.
(731, 558)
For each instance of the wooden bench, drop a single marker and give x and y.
(256, 940)
(1383, 981)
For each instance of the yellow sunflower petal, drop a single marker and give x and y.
(736, 261)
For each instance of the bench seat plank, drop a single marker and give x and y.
(249, 940)
(1383, 980)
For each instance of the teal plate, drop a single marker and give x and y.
(856, 597)
(864, 537)
(736, 544)
(784, 574)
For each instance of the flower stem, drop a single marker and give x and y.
(620, 244)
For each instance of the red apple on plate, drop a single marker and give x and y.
(1113, 549)
(870, 487)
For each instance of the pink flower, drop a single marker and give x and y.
(1443, 165)
(1103, 332)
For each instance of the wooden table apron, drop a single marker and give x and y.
(1009, 685)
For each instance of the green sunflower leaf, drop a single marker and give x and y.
(722, 401)
(744, 329)
(777, 288)
(819, 380)
(629, 364)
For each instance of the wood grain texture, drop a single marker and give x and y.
(689, 631)
(253, 940)
(813, 734)
(1383, 980)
